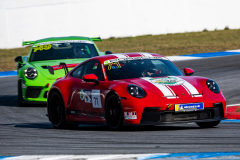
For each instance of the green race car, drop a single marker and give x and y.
(34, 79)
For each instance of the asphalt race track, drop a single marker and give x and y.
(27, 131)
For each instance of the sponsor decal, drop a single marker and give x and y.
(91, 96)
(96, 99)
(110, 65)
(82, 94)
(85, 95)
(42, 47)
(188, 107)
(170, 81)
(124, 57)
(130, 115)
(169, 106)
(165, 89)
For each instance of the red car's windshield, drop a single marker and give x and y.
(141, 68)
(57, 51)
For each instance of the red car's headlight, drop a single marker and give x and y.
(213, 86)
(135, 91)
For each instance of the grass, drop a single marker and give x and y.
(7, 57)
(175, 44)
(167, 45)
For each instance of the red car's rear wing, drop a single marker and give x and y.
(61, 66)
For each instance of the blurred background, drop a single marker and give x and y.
(166, 27)
(25, 20)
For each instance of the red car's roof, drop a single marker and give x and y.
(127, 55)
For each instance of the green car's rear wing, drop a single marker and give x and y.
(27, 43)
(32, 42)
(96, 39)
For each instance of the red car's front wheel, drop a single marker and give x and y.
(208, 124)
(114, 112)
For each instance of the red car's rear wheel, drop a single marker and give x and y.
(56, 112)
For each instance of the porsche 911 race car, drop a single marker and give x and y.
(34, 80)
(134, 89)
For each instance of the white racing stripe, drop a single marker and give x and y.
(146, 55)
(121, 56)
(189, 87)
(164, 89)
(171, 90)
(169, 93)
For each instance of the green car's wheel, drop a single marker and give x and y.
(20, 99)
(208, 124)
(56, 112)
(114, 113)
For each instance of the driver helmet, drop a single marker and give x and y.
(80, 50)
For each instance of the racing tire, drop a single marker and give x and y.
(56, 111)
(208, 124)
(20, 99)
(114, 112)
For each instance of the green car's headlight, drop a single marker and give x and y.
(30, 73)
(213, 86)
(135, 91)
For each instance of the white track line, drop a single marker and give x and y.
(233, 105)
(82, 157)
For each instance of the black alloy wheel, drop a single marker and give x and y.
(208, 124)
(114, 112)
(56, 111)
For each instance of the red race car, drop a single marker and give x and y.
(133, 89)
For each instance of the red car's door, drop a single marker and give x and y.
(87, 97)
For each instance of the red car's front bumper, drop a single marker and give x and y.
(154, 112)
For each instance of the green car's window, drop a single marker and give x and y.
(77, 72)
(57, 51)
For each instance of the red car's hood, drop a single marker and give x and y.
(170, 86)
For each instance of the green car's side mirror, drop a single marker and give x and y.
(108, 52)
(19, 59)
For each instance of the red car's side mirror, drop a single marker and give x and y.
(91, 78)
(188, 71)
